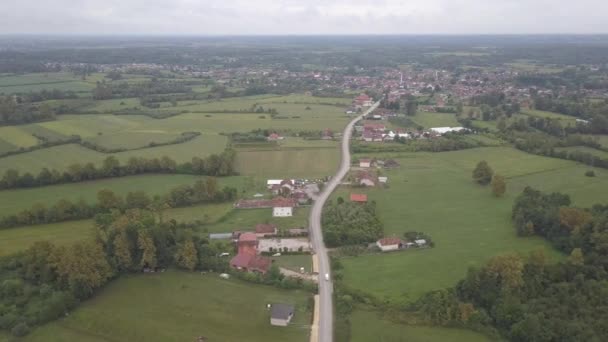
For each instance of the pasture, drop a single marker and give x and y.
(63, 233)
(434, 193)
(13, 201)
(428, 120)
(11, 84)
(369, 326)
(564, 119)
(60, 157)
(179, 306)
(289, 163)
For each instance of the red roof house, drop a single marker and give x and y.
(360, 198)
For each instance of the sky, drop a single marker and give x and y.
(302, 17)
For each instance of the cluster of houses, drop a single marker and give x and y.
(378, 132)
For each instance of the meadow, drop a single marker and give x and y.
(13, 201)
(289, 163)
(369, 326)
(180, 306)
(428, 119)
(64, 233)
(434, 193)
(46, 81)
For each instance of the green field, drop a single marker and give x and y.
(584, 149)
(289, 163)
(46, 81)
(566, 119)
(179, 306)
(17, 137)
(246, 219)
(64, 233)
(434, 193)
(13, 201)
(428, 120)
(369, 326)
(60, 157)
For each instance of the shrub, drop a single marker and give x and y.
(590, 173)
(21, 329)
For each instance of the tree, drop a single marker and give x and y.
(411, 107)
(122, 251)
(110, 167)
(146, 245)
(187, 255)
(483, 173)
(576, 257)
(107, 199)
(499, 186)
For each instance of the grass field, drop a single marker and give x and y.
(45, 81)
(584, 149)
(294, 262)
(565, 119)
(368, 326)
(64, 233)
(178, 306)
(434, 193)
(289, 163)
(13, 201)
(60, 157)
(428, 120)
(17, 137)
(246, 219)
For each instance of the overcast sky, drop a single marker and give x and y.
(278, 17)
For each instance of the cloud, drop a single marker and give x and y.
(246, 17)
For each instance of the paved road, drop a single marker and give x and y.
(326, 314)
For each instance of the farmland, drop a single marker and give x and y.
(179, 306)
(45, 81)
(428, 120)
(17, 239)
(13, 201)
(287, 163)
(433, 193)
(369, 326)
(246, 219)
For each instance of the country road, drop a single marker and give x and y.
(326, 313)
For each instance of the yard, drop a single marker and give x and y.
(434, 193)
(428, 120)
(179, 306)
(246, 219)
(294, 262)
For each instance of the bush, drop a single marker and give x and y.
(590, 173)
(21, 329)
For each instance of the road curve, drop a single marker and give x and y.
(326, 314)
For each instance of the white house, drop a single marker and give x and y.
(383, 180)
(420, 242)
(365, 163)
(283, 207)
(444, 130)
(389, 244)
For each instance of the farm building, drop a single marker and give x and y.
(365, 163)
(360, 198)
(383, 180)
(389, 244)
(265, 229)
(444, 130)
(274, 137)
(283, 207)
(281, 314)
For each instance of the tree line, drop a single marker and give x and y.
(202, 191)
(216, 165)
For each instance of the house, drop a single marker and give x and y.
(283, 207)
(247, 258)
(444, 130)
(389, 244)
(274, 137)
(265, 229)
(359, 198)
(220, 236)
(251, 263)
(301, 197)
(365, 179)
(383, 180)
(365, 163)
(281, 314)
(420, 242)
(363, 100)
